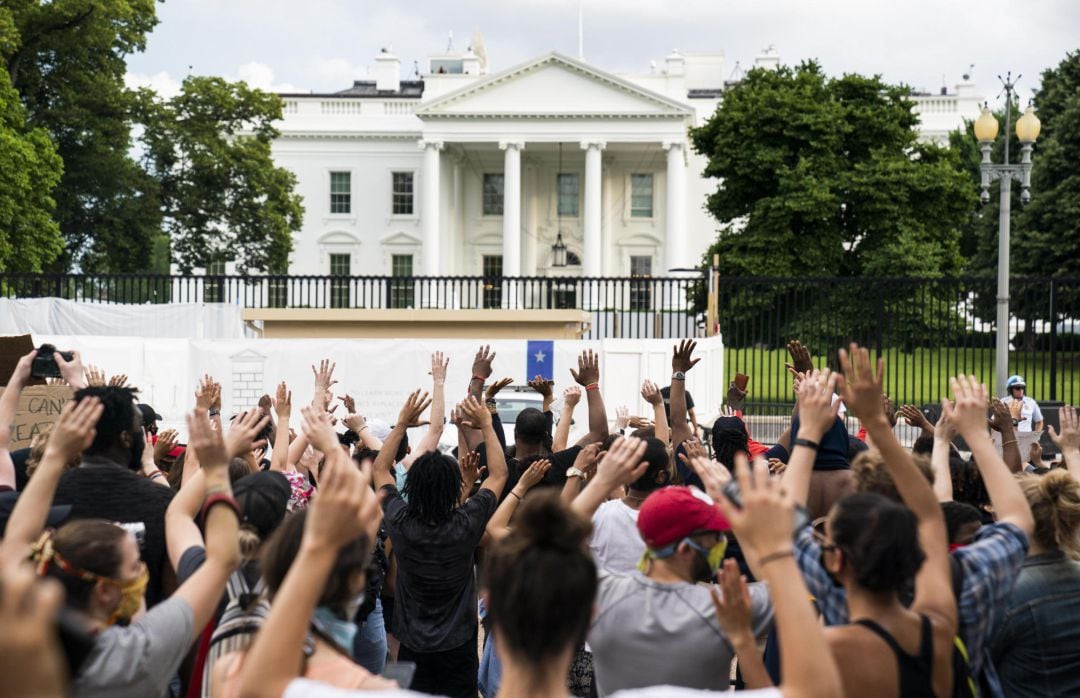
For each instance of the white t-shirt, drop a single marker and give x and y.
(676, 692)
(306, 688)
(615, 542)
(1029, 413)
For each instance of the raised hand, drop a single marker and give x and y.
(166, 442)
(316, 427)
(587, 459)
(95, 377)
(817, 409)
(207, 442)
(204, 393)
(242, 432)
(588, 372)
(636, 422)
(324, 375)
(544, 387)
(266, 403)
(494, 388)
(439, 363)
(735, 396)
(33, 661)
(733, 607)
(532, 475)
(861, 389)
(915, 417)
(968, 414)
(349, 402)
(622, 417)
(282, 401)
(355, 422)
(476, 414)
(147, 458)
(651, 393)
(470, 469)
(887, 408)
(944, 430)
(76, 428)
(622, 464)
(765, 521)
(712, 473)
(1069, 437)
(681, 359)
(571, 396)
(481, 367)
(800, 358)
(1001, 419)
(71, 371)
(415, 405)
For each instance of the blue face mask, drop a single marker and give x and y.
(341, 632)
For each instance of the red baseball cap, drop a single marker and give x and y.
(673, 513)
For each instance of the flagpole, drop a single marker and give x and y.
(581, 30)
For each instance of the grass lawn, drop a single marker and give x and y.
(917, 377)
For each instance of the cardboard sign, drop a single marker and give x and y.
(39, 406)
(13, 348)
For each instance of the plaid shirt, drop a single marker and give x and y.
(990, 567)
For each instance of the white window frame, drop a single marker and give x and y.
(352, 214)
(630, 197)
(390, 172)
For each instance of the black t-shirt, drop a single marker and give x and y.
(114, 493)
(665, 393)
(435, 595)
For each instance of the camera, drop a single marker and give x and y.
(44, 364)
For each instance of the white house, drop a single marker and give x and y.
(466, 172)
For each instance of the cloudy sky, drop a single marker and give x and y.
(322, 45)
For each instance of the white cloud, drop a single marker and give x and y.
(161, 82)
(261, 77)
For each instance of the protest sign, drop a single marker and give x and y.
(38, 407)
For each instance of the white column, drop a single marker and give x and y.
(429, 207)
(593, 264)
(675, 230)
(512, 208)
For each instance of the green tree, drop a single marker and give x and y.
(825, 176)
(222, 198)
(29, 237)
(68, 66)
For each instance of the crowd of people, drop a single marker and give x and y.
(646, 560)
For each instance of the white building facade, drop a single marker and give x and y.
(466, 173)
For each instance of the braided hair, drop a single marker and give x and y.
(432, 488)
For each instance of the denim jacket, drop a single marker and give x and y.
(1036, 642)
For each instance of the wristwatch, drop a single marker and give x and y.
(678, 376)
(575, 472)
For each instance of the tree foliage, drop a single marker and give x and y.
(222, 198)
(29, 237)
(825, 176)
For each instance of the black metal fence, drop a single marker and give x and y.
(627, 307)
(927, 329)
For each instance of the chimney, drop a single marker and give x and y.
(769, 58)
(470, 62)
(387, 72)
(675, 63)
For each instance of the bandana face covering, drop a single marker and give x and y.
(340, 631)
(131, 595)
(714, 556)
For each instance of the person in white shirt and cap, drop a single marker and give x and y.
(1026, 414)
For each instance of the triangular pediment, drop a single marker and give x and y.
(553, 86)
(400, 238)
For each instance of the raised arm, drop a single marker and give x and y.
(9, 404)
(817, 414)
(382, 469)
(969, 416)
(499, 523)
(915, 417)
(1068, 441)
(345, 509)
(763, 526)
(944, 433)
(430, 442)
(71, 371)
(481, 371)
(181, 531)
(478, 417)
(619, 467)
(544, 387)
(74, 431)
(279, 456)
(1001, 421)
(202, 590)
(588, 377)
(681, 363)
(571, 397)
(651, 394)
(863, 395)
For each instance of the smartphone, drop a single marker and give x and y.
(734, 495)
(402, 672)
(44, 365)
(741, 381)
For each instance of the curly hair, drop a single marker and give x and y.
(432, 488)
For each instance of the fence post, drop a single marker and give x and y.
(880, 319)
(1053, 345)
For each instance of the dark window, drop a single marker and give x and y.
(567, 184)
(572, 260)
(214, 291)
(493, 274)
(277, 287)
(401, 290)
(493, 194)
(640, 291)
(403, 193)
(340, 192)
(340, 270)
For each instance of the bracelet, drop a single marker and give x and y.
(361, 429)
(214, 413)
(155, 475)
(478, 378)
(220, 498)
(515, 495)
(592, 386)
(771, 557)
(806, 442)
(1006, 443)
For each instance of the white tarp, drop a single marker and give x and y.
(59, 316)
(380, 373)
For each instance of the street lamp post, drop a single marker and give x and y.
(986, 131)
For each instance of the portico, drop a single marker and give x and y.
(512, 161)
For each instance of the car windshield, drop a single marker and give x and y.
(510, 407)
